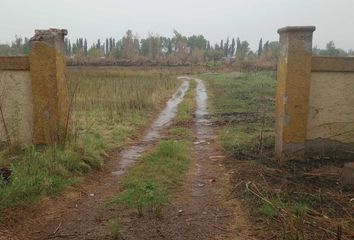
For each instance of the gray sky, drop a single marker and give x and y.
(215, 19)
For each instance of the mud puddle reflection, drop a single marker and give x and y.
(203, 124)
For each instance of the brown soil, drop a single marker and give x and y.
(326, 205)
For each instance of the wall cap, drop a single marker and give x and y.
(297, 29)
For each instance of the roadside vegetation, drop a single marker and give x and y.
(291, 200)
(109, 106)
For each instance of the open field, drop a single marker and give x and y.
(109, 108)
(160, 195)
(291, 200)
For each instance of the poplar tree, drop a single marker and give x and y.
(232, 47)
(85, 46)
(260, 47)
(226, 48)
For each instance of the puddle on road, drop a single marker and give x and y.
(131, 154)
(203, 124)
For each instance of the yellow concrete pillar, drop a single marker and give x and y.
(293, 89)
(49, 86)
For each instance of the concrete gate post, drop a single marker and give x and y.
(49, 86)
(293, 90)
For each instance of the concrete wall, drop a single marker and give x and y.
(34, 93)
(16, 107)
(330, 128)
(331, 113)
(315, 100)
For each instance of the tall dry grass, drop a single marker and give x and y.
(114, 101)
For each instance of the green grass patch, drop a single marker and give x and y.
(187, 106)
(243, 106)
(150, 183)
(237, 92)
(46, 172)
(114, 229)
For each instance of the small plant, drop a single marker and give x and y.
(114, 229)
(268, 210)
(299, 209)
(142, 196)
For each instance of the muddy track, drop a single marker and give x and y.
(199, 210)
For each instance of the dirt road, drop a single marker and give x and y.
(198, 211)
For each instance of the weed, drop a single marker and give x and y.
(114, 229)
(299, 209)
(143, 195)
(268, 210)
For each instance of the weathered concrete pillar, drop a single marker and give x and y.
(293, 89)
(49, 86)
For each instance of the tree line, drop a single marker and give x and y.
(178, 49)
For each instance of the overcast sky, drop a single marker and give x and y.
(215, 19)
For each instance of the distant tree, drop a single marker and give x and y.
(238, 48)
(181, 47)
(251, 55)
(260, 48)
(244, 49)
(196, 56)
(110, 45)
(107, 46)
(98, 45)
(232, 47)
(226, 48)
(222, 44)
(169, 48)
(85, 47)
(197, 42)
(270, 51)
(130, 46)
(94, 52)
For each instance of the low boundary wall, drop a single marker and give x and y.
(33, 92)
(314, 100)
